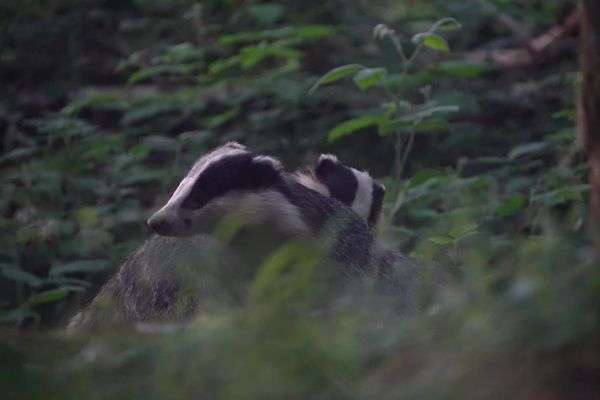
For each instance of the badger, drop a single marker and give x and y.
(357, 189)
(229, 181)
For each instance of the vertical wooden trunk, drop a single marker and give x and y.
(589, 101)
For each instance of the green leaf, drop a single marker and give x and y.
(569, 193)
(16, 315)
(20, 276)
(441, 240)
(436, 42)
(148, 72)
(79, 266)
(463, 230)
(353, 125)
(223, 118)
(48, 296)
(569, 114)
(87, 217)
(18, 154)
(432, 125)
(446, 24)
(527, 148)
(368, 77)
(425, 175)
(336, 74)
(299, 32)
(511, 206)
(432, 41)
(267, 13)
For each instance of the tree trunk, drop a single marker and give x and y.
(589, 101)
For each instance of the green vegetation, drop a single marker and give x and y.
(104, 106)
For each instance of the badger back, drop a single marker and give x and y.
(223, 181)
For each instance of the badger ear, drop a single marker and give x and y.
(235, 145)
(326, 165)
(266, 170)
(380, 186)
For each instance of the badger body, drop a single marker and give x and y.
(165, 276)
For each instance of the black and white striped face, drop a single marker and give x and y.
(354, 188)
(219, 183)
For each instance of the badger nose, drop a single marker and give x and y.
(160, 225)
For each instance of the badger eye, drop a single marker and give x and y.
(195, 200)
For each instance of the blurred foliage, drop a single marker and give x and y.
(104, 104)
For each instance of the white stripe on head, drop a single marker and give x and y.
(187, 183)
(364, 193)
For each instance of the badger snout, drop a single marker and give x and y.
(169, 225)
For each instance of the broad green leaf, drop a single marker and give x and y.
(446, 24)
(147, 110)
(20, 276)
(353, 125)
(441, 240)
(425, 175)
(436, 42)
(266, 13)
(16, 315)
(432, 41)
(299, 32)
(223, 118)
(67, 282)
(569, 193)
(95, 101)
(148, 72)
(48, 296)
(511, 206)
(336, 74)
(569, 114)
(79, 266)
(368, 77)
(463, 230)
(432, 125)
(418, 120)
(311, 31)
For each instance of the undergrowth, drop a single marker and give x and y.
(487, 184)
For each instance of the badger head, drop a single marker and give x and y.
(226, 180)
(352, 187)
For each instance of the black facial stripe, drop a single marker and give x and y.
(339, 179)
(376, 203)
(235, 172)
